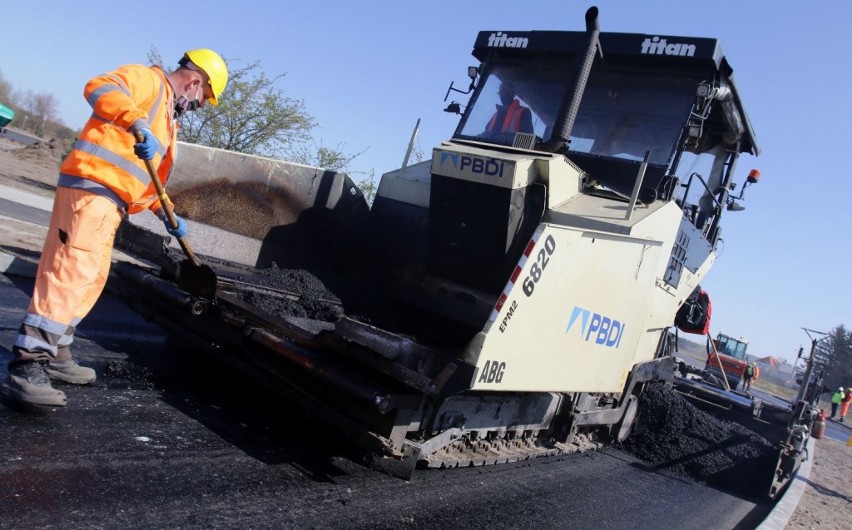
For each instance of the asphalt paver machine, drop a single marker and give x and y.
(512, 295)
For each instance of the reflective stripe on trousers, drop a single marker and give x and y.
(72, 273)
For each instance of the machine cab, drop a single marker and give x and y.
(671, 99)
(621, 116)
(731, 358)
(731, 347)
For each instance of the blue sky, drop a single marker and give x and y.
(368, 70)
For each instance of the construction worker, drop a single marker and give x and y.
(836, 399)
(103, 179)
(511, 116)
(844, 403)
(750, 374)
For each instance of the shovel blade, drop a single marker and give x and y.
(199, 280)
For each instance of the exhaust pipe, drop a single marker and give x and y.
(559, 139)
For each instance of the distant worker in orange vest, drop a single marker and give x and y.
(511, 116)
(844, 403)
(103, 179)
(750, 374)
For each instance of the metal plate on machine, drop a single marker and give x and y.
(572, 316)
(510, 170)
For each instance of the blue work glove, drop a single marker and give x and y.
(179, 232)
(147, 149)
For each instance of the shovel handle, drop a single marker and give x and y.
(161, 194)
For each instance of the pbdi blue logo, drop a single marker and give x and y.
(484, 166)
(454, 158)
(595, 327)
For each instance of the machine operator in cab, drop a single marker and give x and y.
(510, 116)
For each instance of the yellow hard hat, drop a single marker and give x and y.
(212, 65)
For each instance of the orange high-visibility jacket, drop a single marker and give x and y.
(102, 160)
(512, 120)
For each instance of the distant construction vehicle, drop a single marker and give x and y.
(728, 353)
(6, 115)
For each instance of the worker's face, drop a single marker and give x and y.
(193, 98)
(198, 97)
(506, 93)
(205, 92)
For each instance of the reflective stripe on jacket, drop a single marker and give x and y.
(512, 120)
(102, 160)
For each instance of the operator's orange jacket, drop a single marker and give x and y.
(512, 120)
(102, 160)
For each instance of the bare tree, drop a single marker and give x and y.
(7, 92)
(154, 58)
(44, 109)
(314, 153)
(368, 186)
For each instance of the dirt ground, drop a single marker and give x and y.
(32, 169)
(826, 502)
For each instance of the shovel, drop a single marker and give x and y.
(193, 276)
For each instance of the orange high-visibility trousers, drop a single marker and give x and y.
(72, 272)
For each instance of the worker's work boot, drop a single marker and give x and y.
(70, 372)
(28, 383)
